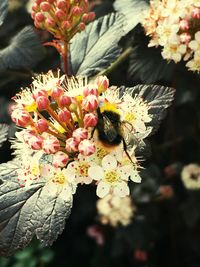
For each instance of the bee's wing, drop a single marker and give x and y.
(128, 133)
(109, 129)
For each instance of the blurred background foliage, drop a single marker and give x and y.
(165, 229)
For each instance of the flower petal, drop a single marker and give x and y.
(134, 176)
(96, 173)
(103, 189)
(109, 163)
(121, 189)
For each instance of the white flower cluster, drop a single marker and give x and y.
(114, 210)
(175, 26)
(190, 176)
(72, 143)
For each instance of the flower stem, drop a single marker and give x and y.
(119, 61)
(65, 57)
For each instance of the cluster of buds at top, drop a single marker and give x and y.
(175, 26)
(58, 119)
(62, 18)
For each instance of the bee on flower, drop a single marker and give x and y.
(86, 129)
(174, 25)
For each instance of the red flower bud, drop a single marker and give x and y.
(66, 25)
(81, 26)
(90, 120)
(64, 115)
(80, 134)
(184, 24)
(71, 145)
(86, 148)
(60, 159)
(91, 16)
(57, 92)
(65, 101)
(42, 125)
(42, 102)
(90, 91)
(60, 14)
(50, 23)
(61, 4)
(90, 103)
(35, 142)
(45, 6)
(103, 83)
(39, 17)
(51, 145)
(196, 13)
(21, 117)
(77, 11)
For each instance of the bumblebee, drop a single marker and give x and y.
(110, 130)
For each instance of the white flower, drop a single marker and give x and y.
(135, 111)
(114, 210)
(80, 168)
(195, 44)
(191, 176)
(174, 51)
(111, 177)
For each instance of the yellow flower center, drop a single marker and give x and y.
(130, 117)
(35, 170)
(32, 107)
(111, 177)
(101, 153)
(59, 178)
(83, 169)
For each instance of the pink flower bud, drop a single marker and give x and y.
(80, 134)
(60, 14)
(86, 148)
(39, 17)
(57, 92)
(35, 142)
(45, 6)
(103, 83)
(85, 18)
(90, 103)
(90, 120)
(60, 159)
(51, 144)
(90, 91)
(64, 115)
(27, 135)
(35, 7)
(38, 93)
(196, 13)
(91, 16)
(42, 102)
(71, 145)
(81, 26)
(21, 117)
(50, 23)
(66, 25)
(184, 24)
(33, 14)
(185, 37)
(61, 4)
(38, 2)
(77, 11)
(42, 125)
(65, 101)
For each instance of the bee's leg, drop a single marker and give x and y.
(92, 133)
(125, 149)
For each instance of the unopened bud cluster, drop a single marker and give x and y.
(62, 18)
(175, 26)
(56, 120)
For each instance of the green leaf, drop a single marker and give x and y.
(159, 98)
(147, 64)
(31, 210)
(133, 11)
(3, 10)
(3, 133)
(24, 51)
(95, 48)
